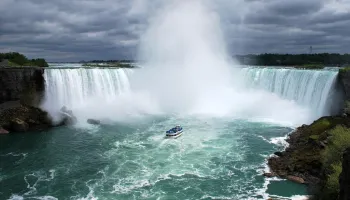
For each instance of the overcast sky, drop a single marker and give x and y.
(74, 30)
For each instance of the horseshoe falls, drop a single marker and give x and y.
(127, 157)
(106, 91)
(233, 119)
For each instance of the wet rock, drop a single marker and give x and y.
(64, 109)
(67, 116)
(18, 125)
(69, 120)
(3, 131)
(278, 153)
(269, 174)
(24, 118)
(93, 121)
(296, 179)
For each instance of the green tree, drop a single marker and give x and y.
(17, 59)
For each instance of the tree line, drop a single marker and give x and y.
(17, 59)
(321, 59)
(267, 59)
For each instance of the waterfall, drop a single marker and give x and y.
(81, 87)
(108, 93)
(309, 88)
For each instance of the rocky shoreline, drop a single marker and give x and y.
(318, 154)
(305, 159)
(24, 118)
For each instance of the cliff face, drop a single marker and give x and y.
(21, 92)
(344, 79)
(344, 76)
(23, 84)
(344, 178)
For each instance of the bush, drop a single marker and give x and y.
(332, 184)
(320, 126)
(332, 160)
(339, 141)
(314, 137)
(345, 69)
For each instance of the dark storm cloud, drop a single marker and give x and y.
(73, 30)
(295, 7)
(292, 26)
(80, 29)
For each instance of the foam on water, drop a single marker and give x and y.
(156, 161)
(214, 158)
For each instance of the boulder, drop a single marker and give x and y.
(23, 118)
(18, 125)
(64, 109)
(269, 174)
(93, 121)
(68, 119)
(67, 116)
(3, 131)
(296, 179)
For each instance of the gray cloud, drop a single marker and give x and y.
(73, 30)
(295, 7)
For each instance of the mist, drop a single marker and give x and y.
(186, 70)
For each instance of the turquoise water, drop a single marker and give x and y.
(215, 158)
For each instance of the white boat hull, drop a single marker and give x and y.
(175, 135)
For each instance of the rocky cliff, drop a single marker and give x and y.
(344, 178)
(344, 79)
(24, 84)
(21, 92)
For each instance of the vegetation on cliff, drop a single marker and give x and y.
(344, 70)
(16, 59)
(297, 60)
(332, 161)
(315, 155)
